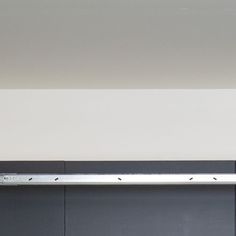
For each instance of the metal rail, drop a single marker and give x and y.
(117, 179)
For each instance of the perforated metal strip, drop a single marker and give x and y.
(117, 179)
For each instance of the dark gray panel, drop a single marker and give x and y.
(150, 167)
(32, 211)
(150, 210)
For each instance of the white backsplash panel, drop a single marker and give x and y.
(117, 124)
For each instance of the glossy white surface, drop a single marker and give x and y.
(117, 124)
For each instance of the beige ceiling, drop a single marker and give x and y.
(117, 44)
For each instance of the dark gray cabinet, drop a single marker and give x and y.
(118, 210)
(32, 211)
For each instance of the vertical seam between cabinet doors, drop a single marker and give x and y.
(234, 202)
(64, 202)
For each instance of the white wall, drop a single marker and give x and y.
(117, 44)
(117, 124)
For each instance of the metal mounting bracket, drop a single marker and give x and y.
(117, 179)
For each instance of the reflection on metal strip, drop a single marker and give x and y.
(117, 179)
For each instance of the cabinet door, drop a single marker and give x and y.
(150, 210)
(32, 211)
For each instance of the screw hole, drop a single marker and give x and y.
(56, 179)
(119, 179)
(214, 178)
(191, 178)
(30, 179)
